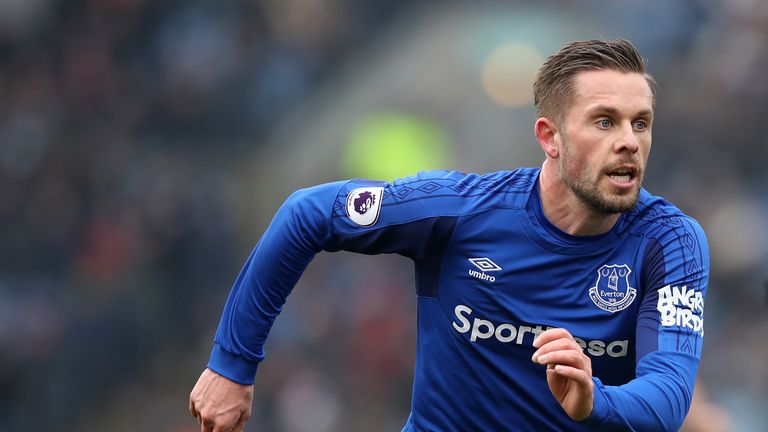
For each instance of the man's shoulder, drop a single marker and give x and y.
(655, 217)
(498, 186)
(521, 178)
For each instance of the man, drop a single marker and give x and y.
(560, 298)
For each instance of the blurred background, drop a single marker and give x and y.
(145, 145)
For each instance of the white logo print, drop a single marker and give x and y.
(612, 292)
(480, 329)
(486, 265)
(682, 307)
(364, 204)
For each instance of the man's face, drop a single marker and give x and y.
(606, 138)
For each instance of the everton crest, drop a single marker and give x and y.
(612, 292)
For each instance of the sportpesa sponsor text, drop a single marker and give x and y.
(509, 333)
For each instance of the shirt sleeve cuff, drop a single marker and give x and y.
(600, 412)
(232, 366)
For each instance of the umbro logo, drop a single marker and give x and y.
(485, 265)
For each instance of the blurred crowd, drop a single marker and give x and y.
(143, 148)
(121, 125)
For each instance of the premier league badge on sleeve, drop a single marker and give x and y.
(364, 204)
(612, 292)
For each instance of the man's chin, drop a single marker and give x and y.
(619, 204)
(612, 203)
(607, 200)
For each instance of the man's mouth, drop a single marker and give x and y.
(624, 175)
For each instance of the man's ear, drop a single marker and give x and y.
(548, 136)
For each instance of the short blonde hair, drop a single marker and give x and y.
(553, 87)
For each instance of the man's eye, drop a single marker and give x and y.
(640, 125)
(604, 123)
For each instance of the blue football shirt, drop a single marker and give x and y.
(492, 273)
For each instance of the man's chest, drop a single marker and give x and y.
(497, 284)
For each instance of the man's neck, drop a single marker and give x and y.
(565, 210)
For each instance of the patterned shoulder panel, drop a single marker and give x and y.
(676, 273)
(444, 193)
(679, 236)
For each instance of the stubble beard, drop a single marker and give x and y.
(588, 191)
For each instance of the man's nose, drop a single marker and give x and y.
(627, 140)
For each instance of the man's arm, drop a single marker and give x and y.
(222, 397)
(360, 216)
(669, 341)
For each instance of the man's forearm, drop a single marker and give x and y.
(658, 399)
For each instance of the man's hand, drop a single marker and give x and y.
(219, 404)
(569, 371)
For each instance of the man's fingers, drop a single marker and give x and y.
(222, 425)
(240, 426)
(588, 366)
(550, 335)
(556, 345)
(573, 373)
(229, 428)
(564, 357)
(206, 425)
(220, 404)
(192, 409)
